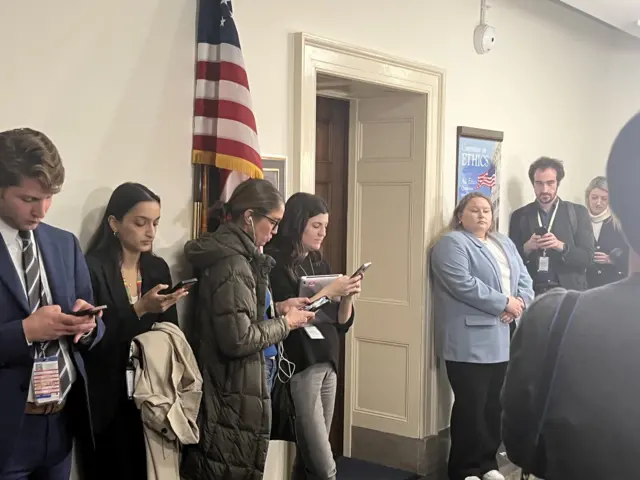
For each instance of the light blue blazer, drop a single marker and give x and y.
(468, 298)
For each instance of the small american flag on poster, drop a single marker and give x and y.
(488, 178)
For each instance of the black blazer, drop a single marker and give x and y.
(610, 240)
(570, 265)
(106, 364)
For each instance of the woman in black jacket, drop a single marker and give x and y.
(610, 262)
(314, 350)
(127, 277)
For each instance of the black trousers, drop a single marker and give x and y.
(120, 452)
(475, 419)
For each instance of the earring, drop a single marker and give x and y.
(115, 234)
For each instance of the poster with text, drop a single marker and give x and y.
(478, 169)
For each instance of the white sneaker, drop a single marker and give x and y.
(472, 478)
(493, 475)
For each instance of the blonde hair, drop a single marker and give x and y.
(598, 182)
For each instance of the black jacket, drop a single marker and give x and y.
(570, 265)
(299, 347)
(106, 364)
(613, 244)
(228, 339)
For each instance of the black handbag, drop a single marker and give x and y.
(283, 413)
(536, 464)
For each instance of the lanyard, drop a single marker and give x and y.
(553, 218)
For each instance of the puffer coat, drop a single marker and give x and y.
(228, 337)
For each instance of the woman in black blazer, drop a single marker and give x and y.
(610, 262)
(314, 349)
(127, 278)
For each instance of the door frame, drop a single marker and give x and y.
(315, 55)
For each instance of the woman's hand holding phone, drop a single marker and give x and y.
(298, 318)
(344, 286)
(282, 308)
(154, 302)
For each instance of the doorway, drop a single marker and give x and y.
(394, 205)
(332, 169)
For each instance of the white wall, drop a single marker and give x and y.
(545, 84)
(112, 84)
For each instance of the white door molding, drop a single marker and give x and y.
(315, 55)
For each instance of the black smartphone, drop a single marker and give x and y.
(88, 312)
(363, 268)
(186, 284)
(540, 231)
(317, 305)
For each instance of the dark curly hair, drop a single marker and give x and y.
(543, 163)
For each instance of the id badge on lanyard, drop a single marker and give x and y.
(543, 261)
(45, 378)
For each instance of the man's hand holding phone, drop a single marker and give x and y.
(533, 243)
(50, 323)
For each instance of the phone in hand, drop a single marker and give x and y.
(88, 312)
(541, 231)
(360, 271)
(186, 284)
(317, 305)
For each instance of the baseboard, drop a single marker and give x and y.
(420, 456)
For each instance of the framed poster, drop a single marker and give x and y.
(274, 168)
(478, 155)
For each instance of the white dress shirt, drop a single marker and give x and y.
(14, 246)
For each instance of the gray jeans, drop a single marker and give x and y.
(314, 395)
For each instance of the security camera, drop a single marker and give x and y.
(484, 38)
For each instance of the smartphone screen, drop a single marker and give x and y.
(317, 304)
(186, 284)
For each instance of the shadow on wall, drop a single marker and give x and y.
(514, 194)
(92, 214)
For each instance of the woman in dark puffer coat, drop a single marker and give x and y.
(230, 334)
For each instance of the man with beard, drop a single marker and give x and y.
(554, 237)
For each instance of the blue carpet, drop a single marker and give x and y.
(353, 469)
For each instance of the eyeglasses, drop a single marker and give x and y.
(274, 223)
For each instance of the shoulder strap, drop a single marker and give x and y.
(523, 226)
(573, 220)
(559, 327)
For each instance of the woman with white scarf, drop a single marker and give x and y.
(610, 262)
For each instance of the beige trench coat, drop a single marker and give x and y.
(167, 391)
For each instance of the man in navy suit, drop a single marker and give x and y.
(43, 277)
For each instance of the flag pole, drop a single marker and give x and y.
(197, 201)
(205, 198)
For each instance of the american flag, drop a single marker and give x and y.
(224, 127)
(488, 178)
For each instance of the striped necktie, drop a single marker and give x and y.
(37, 298)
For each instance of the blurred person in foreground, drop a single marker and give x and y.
(588, 425)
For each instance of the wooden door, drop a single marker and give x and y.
(332, 170)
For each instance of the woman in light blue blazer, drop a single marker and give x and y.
(481, 287)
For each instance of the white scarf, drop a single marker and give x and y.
(597, 221)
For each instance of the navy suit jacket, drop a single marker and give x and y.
(69, 280)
